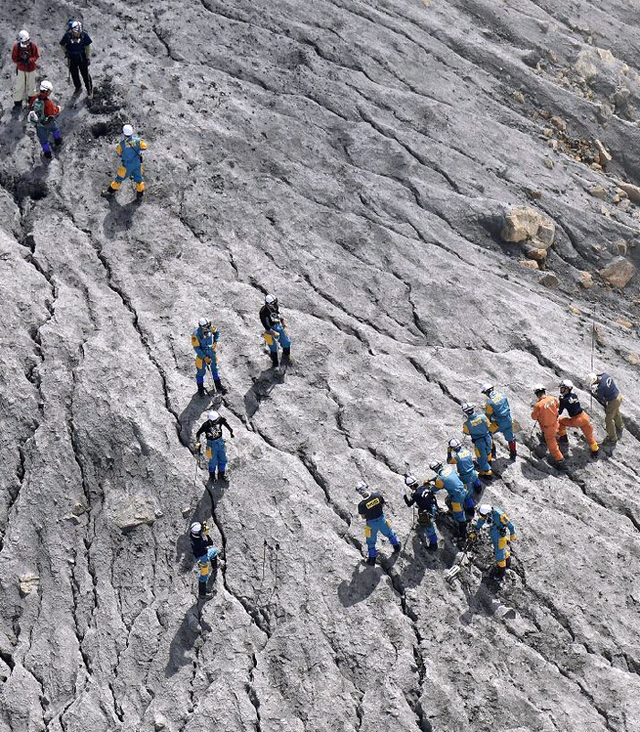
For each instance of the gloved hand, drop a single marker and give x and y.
(231, 433)
(472, 536)
(513, 537)
(207, 360)
(198, 445)
(32, 117)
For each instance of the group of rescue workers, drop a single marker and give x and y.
(44, 112)
(461, 475)
(204, 340)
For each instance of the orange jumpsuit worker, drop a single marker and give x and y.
(545, 412)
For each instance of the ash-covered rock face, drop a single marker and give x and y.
(358, 160)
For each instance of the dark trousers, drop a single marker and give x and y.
(79, 66)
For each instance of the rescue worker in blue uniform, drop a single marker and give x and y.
(274, 330)
(371, 509)
(501, 531)
(463, 460)
(477, 427)
(204, 340)
(447, 478)
(130, 150)
(215, 452)
(499, 413)
(604, 389)
(425, 499)
(205, 554)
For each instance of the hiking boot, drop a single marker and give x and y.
(371, 561)
(58, 141)
(433, 547)
(201, 391)
(108, 193)
(396, 548)
(218, 384)
(274, 359)
(286, 355)
(77, 90)
(493, 450)
(563, 439)
(487, 475)
(139, 195)
(47, 154)
(559, 464)
(222, 476)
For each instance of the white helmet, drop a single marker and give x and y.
(468, 409)
(410, 481)
(592, 378)
(270, 300)
(566, 384)
(435, 465)
(213, 416)
(363, 489)
(75, 25)
(539, 388)
(196, 528)
(204, 323)
(455, 444)
(46, 86)
(484, 510)
(127, 130)
(23, 36)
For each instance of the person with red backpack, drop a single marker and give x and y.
(43, 115)
(24, 56)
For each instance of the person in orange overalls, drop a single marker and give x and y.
(577, 417)
(545, 412)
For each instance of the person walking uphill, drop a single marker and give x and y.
(130, 150)
(371, 508)
(205, 554)
(43, 115)
(215, 452)
(477, 427)
(577, 417)
(447, 478)
(498, 411)
(24, 55)
(545, 412)
(604, 389)
(76, 43)
(204, 340)
(274, 330)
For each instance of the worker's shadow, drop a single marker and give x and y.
(363, 582)
(190, 413)
(260, 390)
(192, 627)
(413, 573)
(479, 602)
(119, 217)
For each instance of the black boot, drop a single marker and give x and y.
(493, 450)
(202, 590)
(371, 560)
(201, 391)
(274, 359)
(286, 355)
(218, 384)
(513, 452)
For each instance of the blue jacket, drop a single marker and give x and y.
(499, 525)
(464, 462)
(130, 149)
(497, 406)
(477, 426)
(571, 403)
(605, 389)
(205, 345)
(449, 480)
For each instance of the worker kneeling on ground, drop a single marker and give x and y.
(501, 531)
(205, 554)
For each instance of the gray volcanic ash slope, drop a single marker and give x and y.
(360, 161)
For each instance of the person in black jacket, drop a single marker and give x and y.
(427, 503)
(274, 330)
(577, 417)
(205, 554)
(371, 510)
(215, 452)
(76, 43)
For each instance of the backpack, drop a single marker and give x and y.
(38, 108)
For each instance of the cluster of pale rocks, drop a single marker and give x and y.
(535, 232)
